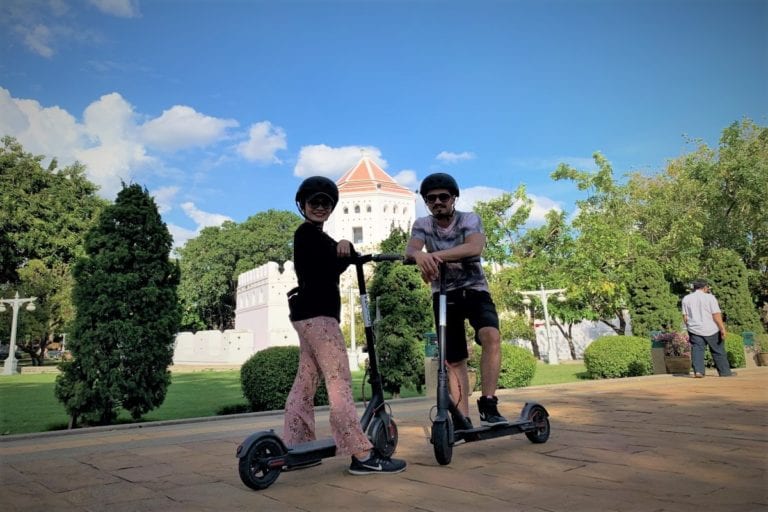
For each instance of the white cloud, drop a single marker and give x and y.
(38, 39)
(113, 151)
(42, 25)
(119, 8)
(452, 158)
(406, 178)
(109, 140)
(181, 126)
(541, 205)
(201, 218)
(49, 131)
(164, 198)
(181, 235)
(264, 140)
(333, 162)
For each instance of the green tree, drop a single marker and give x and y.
(211, 263)
(669, 212)
(127, 314)
(503, 220)
(652, 307)
(54, 309)
(728, 278)
(600, 264)
(406, 314)
(44, 215)
(734, 180)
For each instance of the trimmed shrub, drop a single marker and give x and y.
(734, 349)
(518, 365)
(267, 376)
(618, 356)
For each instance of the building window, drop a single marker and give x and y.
(346, 210)
(394, 209)
(357, 235)
(357, 208)
(405, 211)
(368, 209)
(385, 208)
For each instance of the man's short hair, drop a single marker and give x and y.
(698, 284)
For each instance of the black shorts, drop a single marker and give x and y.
(475, 306)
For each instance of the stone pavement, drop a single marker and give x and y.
(658, 443)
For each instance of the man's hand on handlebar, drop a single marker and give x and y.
(429, 265)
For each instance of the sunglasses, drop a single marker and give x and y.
(432, 198)
(320, 202)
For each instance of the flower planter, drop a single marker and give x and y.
(762, 358)
(678, 364)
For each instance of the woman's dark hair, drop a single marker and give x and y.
(316, 185)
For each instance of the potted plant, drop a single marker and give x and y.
(677, 351)
(761, 348)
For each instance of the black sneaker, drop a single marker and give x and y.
(461, 423)
(376, 464)
(489, 413)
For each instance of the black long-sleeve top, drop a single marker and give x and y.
(318, 270)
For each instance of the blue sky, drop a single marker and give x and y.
(220, 108)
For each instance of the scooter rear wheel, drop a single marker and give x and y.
(442, 441)
(253, 466)
(538, 415)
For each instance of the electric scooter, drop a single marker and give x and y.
(533, 420)
(263, 455)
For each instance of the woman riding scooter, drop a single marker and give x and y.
(315, 311)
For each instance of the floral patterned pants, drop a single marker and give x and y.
(323, 353)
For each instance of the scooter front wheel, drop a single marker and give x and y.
(383, 435)
(442, 441)
(538, 416)
(254, 468)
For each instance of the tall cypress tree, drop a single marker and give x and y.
(404, 304)
(127, 314)
(729, 279)
(652, 305)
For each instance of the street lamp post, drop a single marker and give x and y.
(9, 368)
(543, 295)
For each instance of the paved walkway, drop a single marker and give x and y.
(660, 443)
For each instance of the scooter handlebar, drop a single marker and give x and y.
(387, 257)
(365, 258)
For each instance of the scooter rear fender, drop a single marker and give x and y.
(243, 448)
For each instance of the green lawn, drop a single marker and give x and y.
(27, 403)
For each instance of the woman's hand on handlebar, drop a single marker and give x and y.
(344, 249)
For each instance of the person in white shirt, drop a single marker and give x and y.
(704, 321)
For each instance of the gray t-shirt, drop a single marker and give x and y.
(458, 275)
(699, 307)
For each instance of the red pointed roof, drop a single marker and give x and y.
(367, 177)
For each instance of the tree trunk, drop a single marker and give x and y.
(568, 337)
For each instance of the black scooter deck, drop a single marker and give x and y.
(320, 448)
(492, 431)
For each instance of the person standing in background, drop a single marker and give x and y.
(704, 321)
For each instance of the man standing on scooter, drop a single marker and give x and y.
(458, 239)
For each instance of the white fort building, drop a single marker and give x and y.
(371, 204)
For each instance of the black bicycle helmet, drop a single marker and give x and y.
(439, 180)
(316, 185)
